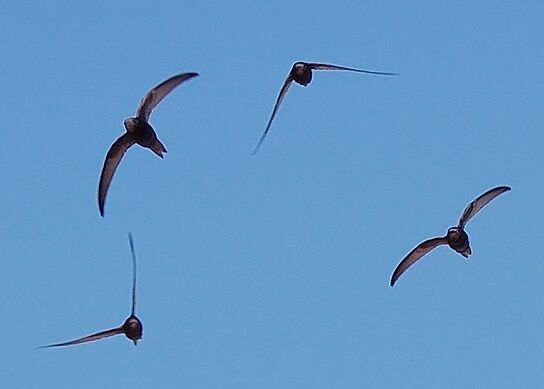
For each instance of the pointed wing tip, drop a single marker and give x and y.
(502, 188)
(49, 346)
(256, 149)
(382, 73)
(376, 72)
(190, 75)
(101, 199)
(394, 278)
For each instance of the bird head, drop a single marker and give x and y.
(131, 124)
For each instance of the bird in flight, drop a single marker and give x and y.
(456, 237)
(301, 73)
(138, 130)
(132, 327)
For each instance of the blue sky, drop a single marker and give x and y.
(273, 271)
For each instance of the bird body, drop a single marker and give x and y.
(143, 134)
(132, 328)
(458, 240)
(301, 73)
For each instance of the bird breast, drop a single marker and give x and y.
(302, 74)
(133, 328)
(458, 239)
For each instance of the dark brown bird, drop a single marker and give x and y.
(138, 130)
(301, 73)
(456, 237)
(132, 327)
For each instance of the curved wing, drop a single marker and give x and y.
(473, 208)
(323, 66)
(415, 254)
(155, 95)
(89, 338)
(113, 158)
(279, 99)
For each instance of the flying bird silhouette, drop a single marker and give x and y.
(132, 327)
(301, 73)
(456, 237)
(138, 130)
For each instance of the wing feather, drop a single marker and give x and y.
(133, 254)
(474, 207)
(418, 252)
(113, 158)
(279, 99)
(323, 66)
(155, 95)
(89, 338)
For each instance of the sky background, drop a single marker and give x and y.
(272, 271)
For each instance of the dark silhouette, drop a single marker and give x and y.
(138, 130)
(456, 237)
(301, 73)
(132, 327)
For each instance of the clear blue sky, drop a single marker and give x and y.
(273, 271)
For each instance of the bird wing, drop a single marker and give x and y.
(279, 99)
(133, 253)
(473, 208)
(323, 66)
(422, 249)
(155, 95)
(113, 158)
(88, 338)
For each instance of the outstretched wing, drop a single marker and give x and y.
(89, 338)
(473, 208)
(279, 99)
(113, 158)
(133, 253)
(155, 95)
(323, 66)
(416, 254)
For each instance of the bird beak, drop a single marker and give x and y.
(135, 342)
